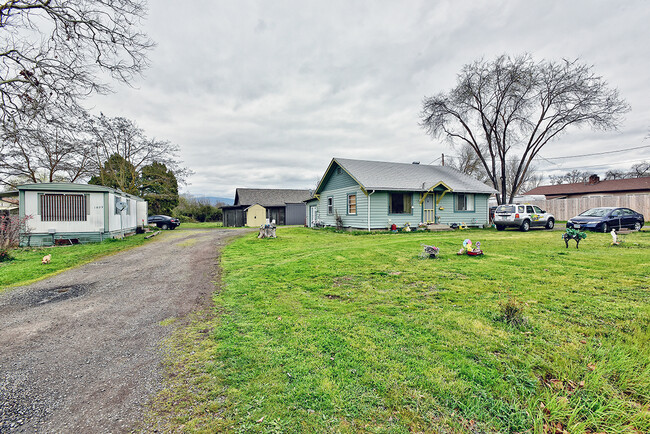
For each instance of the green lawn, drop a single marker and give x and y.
(26, 267)
(199, 225)
(318, 331)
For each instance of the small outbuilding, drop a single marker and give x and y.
(77, 212)
(252, 206)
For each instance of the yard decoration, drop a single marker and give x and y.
(572, 234)
(469, 250)
(267, 230)
(429, 251)
(615, 241)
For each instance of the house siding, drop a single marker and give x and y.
(449, 215)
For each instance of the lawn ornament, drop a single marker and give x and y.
(572, 234)
(407, 227)
(267, 230)
(393, 228)
(46, 259)
(429, 251)
(469, 249)
(614, 238)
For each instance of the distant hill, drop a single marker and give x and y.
(213, 200)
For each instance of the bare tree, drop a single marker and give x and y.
(52, 52)
(615, 174)
(640, 170)
(467, 162)
(514, 103)
(45, 151)
(122, 137)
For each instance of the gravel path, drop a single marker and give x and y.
(80, 352)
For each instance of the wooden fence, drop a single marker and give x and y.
(564, 209)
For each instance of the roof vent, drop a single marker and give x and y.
(416, 162)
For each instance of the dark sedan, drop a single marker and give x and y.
(164, 221)
(607, 218)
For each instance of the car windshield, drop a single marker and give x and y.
(596, 212)
(505, 208)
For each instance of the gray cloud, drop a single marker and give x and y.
(266, 93)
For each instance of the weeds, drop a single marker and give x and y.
(512, 312)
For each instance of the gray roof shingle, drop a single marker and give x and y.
(379, 175)
(269, 196)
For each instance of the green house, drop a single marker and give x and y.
(374, 195)
(77, 212)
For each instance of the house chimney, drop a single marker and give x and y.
(594, 179)
(416, 162)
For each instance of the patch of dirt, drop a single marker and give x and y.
(81, 351)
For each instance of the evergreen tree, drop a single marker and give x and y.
(118, 173)
(158, 185)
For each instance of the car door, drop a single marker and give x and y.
(541, 216)
(628, 219)
(531, 214)
(615, 219)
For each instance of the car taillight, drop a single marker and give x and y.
(517, 216)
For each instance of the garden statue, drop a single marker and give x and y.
(429, 251)
(573, 234)
(614, 238)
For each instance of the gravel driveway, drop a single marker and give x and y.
(80, 352)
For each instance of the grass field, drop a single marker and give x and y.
(26, 266)
(318, 331)
(204, 225)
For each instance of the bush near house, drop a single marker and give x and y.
(328, 332)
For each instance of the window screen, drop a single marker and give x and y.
(64, 208)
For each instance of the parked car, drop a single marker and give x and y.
(522, 216)
(605, 219)
(164, 221)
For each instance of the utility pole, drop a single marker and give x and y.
(443, 159)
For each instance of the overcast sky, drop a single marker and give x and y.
(265, 93)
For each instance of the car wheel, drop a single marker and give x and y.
(172, 228)
(550, 224)
(525, 226)
(604, 228)
(164, 226)
(637, 226)
(500, 228)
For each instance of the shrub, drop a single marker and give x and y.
(10, 229)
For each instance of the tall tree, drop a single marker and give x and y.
(159, 187)
(53, 52)
(121, 136)
(118, 173)
(516, 103)
(47, 151)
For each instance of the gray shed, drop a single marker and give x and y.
(285, 206)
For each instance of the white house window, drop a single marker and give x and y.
(400, 203)
(330, 205)
(64, 208)
(464, 202)
(352, 204)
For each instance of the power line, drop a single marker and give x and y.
(591, 154)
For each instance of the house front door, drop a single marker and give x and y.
(429, 208)
(312, 216)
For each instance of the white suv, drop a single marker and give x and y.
(523, 216)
